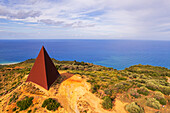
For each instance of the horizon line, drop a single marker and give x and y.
(85, 39)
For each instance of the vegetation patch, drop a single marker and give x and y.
(35, 109)
(29, 111)
(105, 82)
(134, 93)
(122, 86)
(143, 91)
(164, 89)
(149, 70)
(160, 97)
(134, 108)
(51, 104)
(107, 103)
(152, 86)
(25, 103)
(14, 109)
(13, 98)
(121, 78)
(95, 87)
(151, 102)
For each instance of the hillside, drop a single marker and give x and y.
(86, 88)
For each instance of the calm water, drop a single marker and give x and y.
(118, 54)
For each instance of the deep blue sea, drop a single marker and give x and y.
(118, 54)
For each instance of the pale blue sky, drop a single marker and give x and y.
(85, 19)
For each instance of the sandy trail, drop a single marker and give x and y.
(75, 89)
(70, 92)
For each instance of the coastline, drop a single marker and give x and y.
(9, 63)
(118, 54)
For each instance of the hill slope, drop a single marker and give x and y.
(85, 87)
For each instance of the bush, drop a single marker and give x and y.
(152, 86)
(143, 91)
(35, 109)
(139, 85)
(51, 104)
(162, 101)
(134, 108)
(14, 109)
(121, 78)
(95, 88)
(134, 93)
(164, 89)
(151, 102)
(108, 92)
(24, 104)
(107, 103)
(29, 111)
(122, 86)
(160, 97)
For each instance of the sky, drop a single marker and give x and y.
(85, 19)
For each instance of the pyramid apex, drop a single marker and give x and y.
(43, 47)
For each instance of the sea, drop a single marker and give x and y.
(118, 54)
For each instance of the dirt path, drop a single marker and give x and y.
(75, 89)
(119, 106)
(71, 91)
(96, 103)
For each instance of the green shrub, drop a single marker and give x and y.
(139, 85)
(164, 89)
(108, 92)
(107, 103)
(134, 93)
(2, 93)
(134, 108)
(51, 104)
(121, 78)
(140, 80)
(95, 87)
(24, 104)
(143, 91)
(135, 75)
(154, 85)
(151, 86)
(29, 111)
(162, 101)
(143, 76)
(14, 109)
(35, 109)
(122, 86)
(160, 97)
(151, 102)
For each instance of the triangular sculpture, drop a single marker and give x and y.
(43, 72)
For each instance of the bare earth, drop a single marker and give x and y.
(73, 94)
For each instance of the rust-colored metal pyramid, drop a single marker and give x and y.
(43, 72)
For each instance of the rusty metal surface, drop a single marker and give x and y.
(43, 72)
